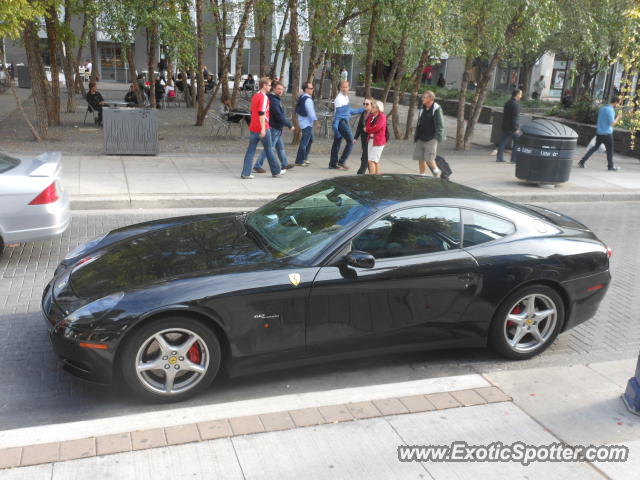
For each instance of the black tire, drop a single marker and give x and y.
(142, 348)
(505, 331)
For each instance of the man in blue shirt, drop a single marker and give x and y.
(305, 122)
(604, 134)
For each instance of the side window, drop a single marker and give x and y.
(411, 232)
(481, 228)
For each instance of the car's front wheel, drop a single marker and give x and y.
(527, 322)
(170, 359)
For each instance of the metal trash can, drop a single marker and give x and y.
(24, 77)
(544, 152)
(130, 131)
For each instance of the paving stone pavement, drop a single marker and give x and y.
(36, 391)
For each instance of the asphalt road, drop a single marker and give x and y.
(35, 391)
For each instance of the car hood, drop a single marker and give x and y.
(203, 247)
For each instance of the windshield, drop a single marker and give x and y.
(306, 221)
(7, 163)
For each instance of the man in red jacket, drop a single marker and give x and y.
(258, 132)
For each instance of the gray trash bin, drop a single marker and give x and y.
(24, 78)
(130, 131)
(544, 152)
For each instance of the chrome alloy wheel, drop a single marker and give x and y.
(172, 361)
(530, 323)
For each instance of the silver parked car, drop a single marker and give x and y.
(33, 203)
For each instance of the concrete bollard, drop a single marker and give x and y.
(631, 396)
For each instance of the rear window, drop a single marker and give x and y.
(482, 228)
(7, 163)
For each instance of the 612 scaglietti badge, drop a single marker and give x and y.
(349, 266)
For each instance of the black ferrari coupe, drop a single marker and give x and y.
(348, 266)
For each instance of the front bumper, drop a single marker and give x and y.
(88, 364)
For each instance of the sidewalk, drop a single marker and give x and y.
(213, 180)
(350, 433)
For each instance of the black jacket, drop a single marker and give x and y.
(277, 118)
(360, 127)
(511, 116)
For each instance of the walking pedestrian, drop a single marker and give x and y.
(510, 125)
(604, 133)
(306, 116)
(259, 131)
(429, 132)
(376, 131)
(364, 162)
(538, 87)
(277, 122)
(341, 128)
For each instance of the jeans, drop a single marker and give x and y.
(608, 144)
(503, 142)
(345, 131)
(278, 146)
(305, 145)
(254, 138)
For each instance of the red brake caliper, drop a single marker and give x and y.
(515, 311)
(194, 353)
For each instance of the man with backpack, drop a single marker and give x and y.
(429, 132)
(306, 116)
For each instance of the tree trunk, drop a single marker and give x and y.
(221, 46)
(334, 80)
(274, 65)
(373, 27)
(67, 60)
(399, 58)
(323, 74)
(51, 21)
(12, 87)
(295, 64)
(152, 46)
(237, 78)
(399, 88)
(527, 71)
(462, 100)
(199, 60)
(417, 77)
(76, 66)
(93, 39)
(481, 94)
(38, 79)
(133, 72)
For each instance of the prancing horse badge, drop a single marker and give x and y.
(294, 278)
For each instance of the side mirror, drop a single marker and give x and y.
(359, 259)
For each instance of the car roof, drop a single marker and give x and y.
(381, 191)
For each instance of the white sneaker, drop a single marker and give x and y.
(436, 172)
(282, 172)
(423, 174)
(494, 152)
(246, 177)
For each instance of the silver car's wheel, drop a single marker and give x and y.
(527, 322)
(170, 359)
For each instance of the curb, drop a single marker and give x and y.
(254, 424)
(96, 202)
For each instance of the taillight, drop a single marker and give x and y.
(609, 252)
(48, 195)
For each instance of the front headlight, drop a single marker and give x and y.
(80, 249)
(95, 310)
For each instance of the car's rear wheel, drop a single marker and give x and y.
(527, 322)
(170, 359)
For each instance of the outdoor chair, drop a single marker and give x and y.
(94, 114)
(219, 123)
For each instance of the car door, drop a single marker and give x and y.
(418, 289)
